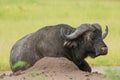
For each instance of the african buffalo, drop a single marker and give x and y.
(60, 40)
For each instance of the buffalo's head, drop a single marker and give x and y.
(89, 37)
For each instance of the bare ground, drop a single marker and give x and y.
(52, 69)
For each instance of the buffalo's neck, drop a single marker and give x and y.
(78, 54)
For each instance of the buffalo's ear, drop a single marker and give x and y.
(71, 44)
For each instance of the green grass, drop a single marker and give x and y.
(21, 64)
(34, 73)
(41, 76)
(112, 73)
(21, 17)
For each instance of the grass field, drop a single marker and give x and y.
(21, 17)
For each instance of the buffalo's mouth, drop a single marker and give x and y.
(102, 51)
(92, 55)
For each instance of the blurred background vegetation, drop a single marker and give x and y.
(112, 73)
(21, 17)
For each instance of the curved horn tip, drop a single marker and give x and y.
(106, 28)
(106, 32)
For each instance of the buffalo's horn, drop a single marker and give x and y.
(106, 33)
(79, 31)
(97, 26)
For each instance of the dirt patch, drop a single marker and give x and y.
(53, 69)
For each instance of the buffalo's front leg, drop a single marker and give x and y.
(83, 65)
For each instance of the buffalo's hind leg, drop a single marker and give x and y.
(23, 61)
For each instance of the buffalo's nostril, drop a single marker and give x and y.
(104, 50)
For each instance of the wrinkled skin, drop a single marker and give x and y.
(50, 42)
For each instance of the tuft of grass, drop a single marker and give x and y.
(43, 77)
(21, 64)
(112, 73)
(35, 73)
(40, 76)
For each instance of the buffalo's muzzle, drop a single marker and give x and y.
(104, 50)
